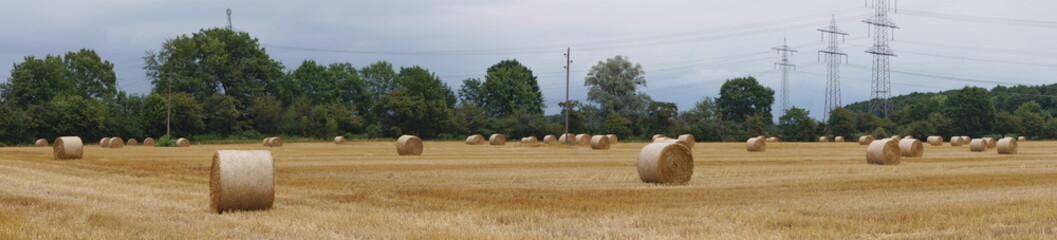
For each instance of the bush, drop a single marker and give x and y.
(165, 141)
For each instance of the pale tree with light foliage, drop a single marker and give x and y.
(613, 85)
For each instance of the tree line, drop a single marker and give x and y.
(221, 84)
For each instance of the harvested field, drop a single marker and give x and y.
(365, 190)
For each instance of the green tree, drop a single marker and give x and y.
(420, 106)
(221, 114)
(841, 122)
(740, 98)
(72, 115)
(1032, 116)
(616, 124)
(973, 112)
(37, 80)
(797, 126)
(1049, 129)
(214, 61)
(508, 87)
(467, 119)
(265, 113)
(380, 78)
(659, 117)
(756, 125)
(1006, 123)
(919, 129)
(472, 92)
(577, 122)
(613, 85)
(186, 115)
(942, 124)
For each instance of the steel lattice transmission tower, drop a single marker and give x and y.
(833, 60)
(881, 26)
(785, 66)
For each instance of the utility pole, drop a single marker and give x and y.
(230, 27)
(785, 66)
(568, 105)
(168, 118)
(881, 89)
(833, 56)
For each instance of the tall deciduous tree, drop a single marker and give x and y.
(214, 61)
(841, 122)
(796, 126)
(972, 111)
(659, 117)
(613, 85)
(419, 106)
(743, 97)
(38, 80)
(509, 87)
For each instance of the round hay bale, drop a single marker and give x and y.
(530, 140)
(978, 145)
(935, 140)
(823, 139)
(67, 148)
(756, 144)
(550, 139)
(132, 142)
(497, 139)
(600, 142)
(688, 139)
(839, 139)
(267, 142)
(104, 143)
(656, 136)
(567, 138)
(340, 140)
(409, 145)
(115, 142)
(883, 152)
(991, 142)
(911, 147)
(476, 139)
(966, 139)
(241, 181)
(661, 140)
(612, 138)
(773, 139)
(1022, 139)
(666, 163)
(1007, 145)
(277, 142)
(148, 141)
(956, 141)
(183, 142)
(897, 138)
(41, 142)
(584, 139)
(866, 140)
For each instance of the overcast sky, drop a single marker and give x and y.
(687, 48)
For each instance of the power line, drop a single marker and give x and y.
(981, 59)
(963, 47)
(981, 19)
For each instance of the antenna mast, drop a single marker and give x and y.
(230, 27)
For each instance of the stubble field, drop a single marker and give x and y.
(364, 190)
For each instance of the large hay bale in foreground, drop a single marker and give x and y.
(476, 139)
(600, 142)
(584, 139)
(148, 141)
(104, 143)
(613, 138)
(756, 144)
(911, 148)
(956, 141)
(550, 139)
(241, 180)
(1022, 139)
(667, 163)
(567, 138)
(839, 139)
(41, 143)
(866, 140)
(132, 142)
(978, 145)
(183, 142)
(688, 139)
(340, 140)
(823, 139)
(991, 142)
(1007, 146)
(883, 152)
(497, 139)
(935, 140)
(115, 142)
(409, 145)
(68, 147)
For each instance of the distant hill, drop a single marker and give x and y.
(1005, 98)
